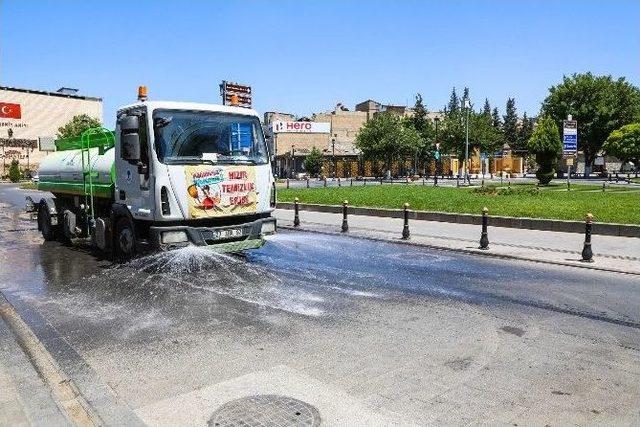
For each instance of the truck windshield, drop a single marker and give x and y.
(208, 137)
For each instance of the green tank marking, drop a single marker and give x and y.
(76, 188)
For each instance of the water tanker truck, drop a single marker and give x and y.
(171, 174)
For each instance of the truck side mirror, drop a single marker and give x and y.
(129, 124)
(131, 146)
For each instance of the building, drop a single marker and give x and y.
(333, 133)
(29, 121)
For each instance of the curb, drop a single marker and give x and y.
(63, 390)
(465, 251)
(603, 229)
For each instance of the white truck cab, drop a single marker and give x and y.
(181, 173)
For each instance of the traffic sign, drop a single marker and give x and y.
(235, 94)
(570, 137)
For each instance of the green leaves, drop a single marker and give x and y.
(599, 104)
(388, 137)
(546, 138)
(313, 162)
(546, 144)
(77, 125)
(624, 143)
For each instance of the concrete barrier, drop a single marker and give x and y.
(605, 229)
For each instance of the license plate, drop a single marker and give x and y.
(228, 233)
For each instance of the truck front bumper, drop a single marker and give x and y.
(230, 238)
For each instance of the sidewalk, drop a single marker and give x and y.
(611, 253)
(25, 400)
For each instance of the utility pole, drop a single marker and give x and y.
(467, 105)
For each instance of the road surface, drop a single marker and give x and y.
(369, 333)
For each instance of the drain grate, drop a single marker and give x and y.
(267, 410)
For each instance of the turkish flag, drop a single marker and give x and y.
(10, 111)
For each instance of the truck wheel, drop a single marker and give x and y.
(124, 244)
(44, 222)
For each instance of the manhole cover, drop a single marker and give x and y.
(267, 410)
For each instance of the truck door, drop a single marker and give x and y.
(132, 164)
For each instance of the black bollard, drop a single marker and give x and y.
(287, 182)
(604, 185)
(484, 237)
(325, 181)
(307, 182)
(509, 185)
(380, 180)
(296, 213)
(587, 253)
(405, 228)
(482, 183)
(364, 182)
(435, 180)
(457, 180)
(339, 185)
(345, 224)
(423, 181)
(351, 185)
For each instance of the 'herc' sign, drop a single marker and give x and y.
(301, 127)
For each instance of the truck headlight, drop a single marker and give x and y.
(268, 227)
(174, 237)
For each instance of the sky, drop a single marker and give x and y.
(305, 56)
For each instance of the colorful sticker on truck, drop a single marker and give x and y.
(217, 191)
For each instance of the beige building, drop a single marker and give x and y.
(336, 140)
(29, 121)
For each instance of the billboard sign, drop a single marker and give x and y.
(46, 143)
(569, 137)
(243, 93)
(301, 127)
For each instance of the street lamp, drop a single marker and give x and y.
(467, 105)
(293, 161)
(435, 174)
(333, 156)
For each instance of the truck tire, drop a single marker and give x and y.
(124, 240)
(49, 231)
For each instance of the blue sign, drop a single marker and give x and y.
(570, 143)
(437, 155)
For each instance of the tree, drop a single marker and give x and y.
(14, 171)
(482, 134)
(423, 125)
(624, 143)
(454, 103)
(600, 104)
(545, 143)
(524, 134)
(77, 125)
(486, 111)
(313, 162)
(496, 122)
(510, 125)
(388, 137)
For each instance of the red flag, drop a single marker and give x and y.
(10, 111)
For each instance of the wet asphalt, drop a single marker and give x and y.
(91, 313)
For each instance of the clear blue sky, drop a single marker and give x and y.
(304, 56)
